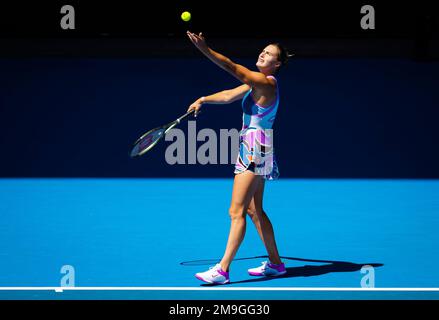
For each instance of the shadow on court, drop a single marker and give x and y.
(310, 271)
(292, 272)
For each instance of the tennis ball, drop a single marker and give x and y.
(186, 16)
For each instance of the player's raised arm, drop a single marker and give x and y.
(251, 78)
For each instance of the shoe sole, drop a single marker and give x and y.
(211, 282)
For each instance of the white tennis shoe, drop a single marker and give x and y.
(214, 275)
(268, 269)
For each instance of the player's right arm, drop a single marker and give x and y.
(222, 97)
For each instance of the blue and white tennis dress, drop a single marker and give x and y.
(256, 148)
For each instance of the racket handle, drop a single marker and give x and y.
(185, 115)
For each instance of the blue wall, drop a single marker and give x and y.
(338, 117)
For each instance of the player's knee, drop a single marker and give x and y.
(236, 211)
(253, 214)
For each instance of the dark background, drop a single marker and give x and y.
(354, 103)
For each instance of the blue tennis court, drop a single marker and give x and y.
(146, 238)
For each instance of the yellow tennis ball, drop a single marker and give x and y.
(186, 16)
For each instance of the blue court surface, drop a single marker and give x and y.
(146, 238)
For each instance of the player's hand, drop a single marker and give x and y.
(198, 40)
(195, 106)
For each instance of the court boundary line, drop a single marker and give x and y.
(61, 289)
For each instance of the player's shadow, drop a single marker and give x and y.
(302, 271)
(310, 271)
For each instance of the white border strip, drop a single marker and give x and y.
(60, 289)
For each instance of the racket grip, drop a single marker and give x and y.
(185, 115)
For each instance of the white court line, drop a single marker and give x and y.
(58, 289)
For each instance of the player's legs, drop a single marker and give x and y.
(244, 187)
(263, 224)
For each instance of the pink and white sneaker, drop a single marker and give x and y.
(214, 275)
(268, 269)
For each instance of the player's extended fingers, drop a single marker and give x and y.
(190, 35)
(194, 40)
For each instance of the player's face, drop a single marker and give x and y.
(268, 58)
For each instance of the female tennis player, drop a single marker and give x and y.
(256, 162)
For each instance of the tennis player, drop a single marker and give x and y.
(256, 161)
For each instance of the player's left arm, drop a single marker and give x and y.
(251, 78)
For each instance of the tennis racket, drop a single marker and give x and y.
(147, 141)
